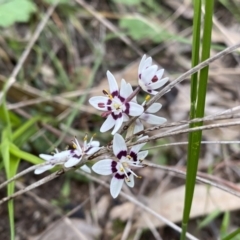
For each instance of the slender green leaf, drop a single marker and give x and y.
(233, 235)
(6, 119)
(14, 150)
(11, 165)
(210, 217)
(198, 96)
(20, 131)
(23, 133)
(225, 223)
(191, 165)
(128, 2)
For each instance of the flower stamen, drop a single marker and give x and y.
(106, 93)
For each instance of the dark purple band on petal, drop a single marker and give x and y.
(122, 99)
(109, 103)
(119, 176)
(134, 156)
(113, 166)
(72, 150)
(89, 148)
(122, 154)
(127, 105)
(114, 94)
(116, 116)
(77, 156)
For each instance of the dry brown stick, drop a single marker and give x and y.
(34, 185)
(202, 177)
(206, 127)
(186, 143)
(186, 123)
(168, 134)
(109, 25)
(181, 78)
(27, 50)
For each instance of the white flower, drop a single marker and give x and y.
(115, 105)
(57, 158)
(149, 77)
(69, 157)
(148, 117)
(121, 168)
(80, 151)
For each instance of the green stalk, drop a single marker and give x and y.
(232, 235)
(198, 96)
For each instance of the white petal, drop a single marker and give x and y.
(158, 84)
(125, 90)
(137, 147)
(142, 155)
(152, 119)
(131, 182)
(135, 109)
(103, 167)
(159, 73)
(43, 169)
(46, 157)
(108, 124)
(72, 162)
(148, 74)
(155, 107)
(142, 85)
(99, 101)
(125, 117)
(85, 168)
(64, 155)
(116, 186)
(138, 126)
(113, 86)
(94, 144)
(152, 92)
(119, 145)
(140, 67)
(92, 150)
(145, 63)
(118, 124)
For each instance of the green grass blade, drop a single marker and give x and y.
(14, 150)
(194, 85)
(232, 235)
(209, 218)
(195, 53)
(195, 137)
(6, 119)
(21, 130)
(11, 165)
(23, 133)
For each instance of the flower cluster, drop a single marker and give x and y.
(117, 105)
(69, 158)
(121, 165)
